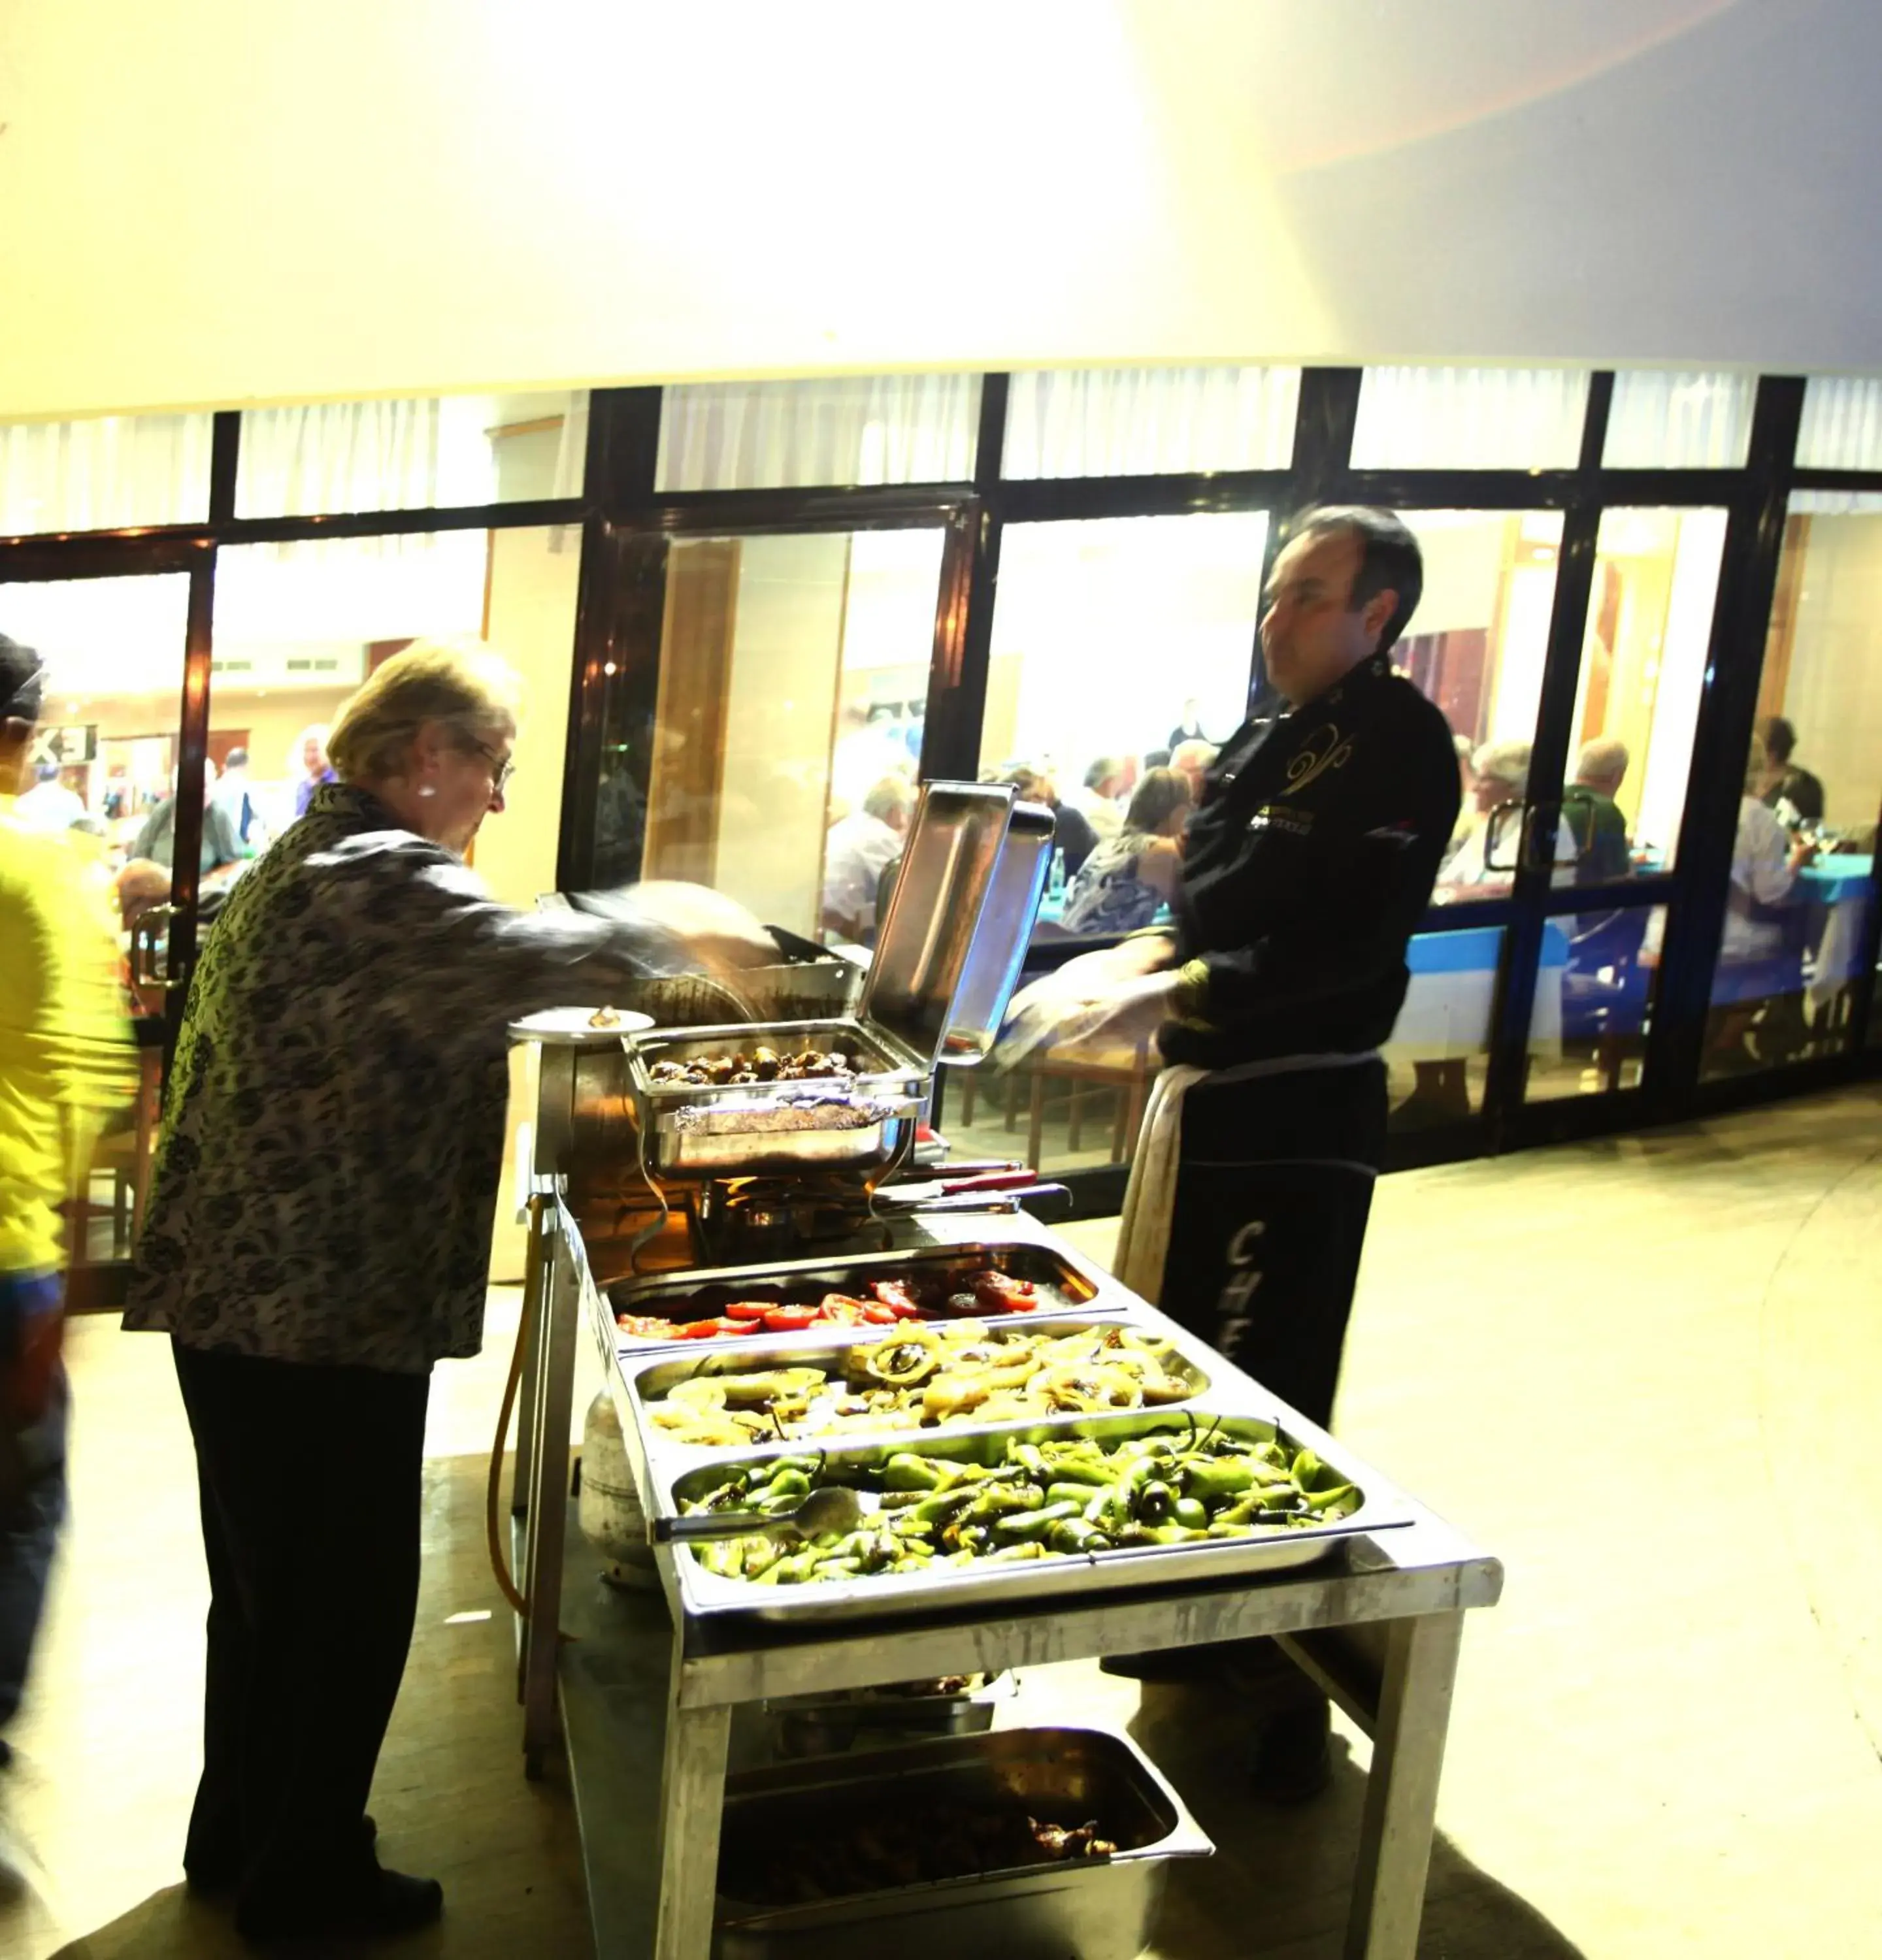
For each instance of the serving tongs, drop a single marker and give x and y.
(833, 1507)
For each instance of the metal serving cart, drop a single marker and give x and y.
(626, 1216)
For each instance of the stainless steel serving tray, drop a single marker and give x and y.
(1096, 1909)
(669, 1484)
(650, 1377)
(718, 1130)
(1081, 1289)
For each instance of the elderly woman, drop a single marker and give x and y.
(317, 1238)
(1128, 879)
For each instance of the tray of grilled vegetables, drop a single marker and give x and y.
(921, 1376)
(965, 1515)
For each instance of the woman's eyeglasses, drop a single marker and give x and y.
(502, 768)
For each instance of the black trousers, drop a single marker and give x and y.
(310, 1485)
(1273, 1190)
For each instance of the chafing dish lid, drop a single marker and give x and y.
(927, 945)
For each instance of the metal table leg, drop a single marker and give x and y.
(692, 1798)
(559, 1309)
(1408, 1753)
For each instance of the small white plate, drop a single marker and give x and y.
(575, 1027)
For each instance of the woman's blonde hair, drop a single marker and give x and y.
(474, 691)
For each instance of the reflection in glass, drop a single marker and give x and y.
(1643, 672)
(427, 452)
(1439, 1054)
(1143, 422)
(1470, 418)
(1120, 645)
(1477, 647)
(1594, 991)
(104, 473)
(780, 766)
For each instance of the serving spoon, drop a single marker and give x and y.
(833, 1507)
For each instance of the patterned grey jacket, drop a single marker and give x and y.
(327, 1175)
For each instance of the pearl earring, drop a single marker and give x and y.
(427, 789)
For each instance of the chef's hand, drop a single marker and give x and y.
(1116, 1013)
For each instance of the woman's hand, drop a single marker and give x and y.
(718, 931)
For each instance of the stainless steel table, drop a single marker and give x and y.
(1377, 1623)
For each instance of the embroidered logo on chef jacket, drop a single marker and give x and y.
(1273, 817)
(1321, 752)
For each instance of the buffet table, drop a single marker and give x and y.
(1377, 1621)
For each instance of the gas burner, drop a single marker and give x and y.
(743, 1219)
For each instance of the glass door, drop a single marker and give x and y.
(762, 717)
(105, 767)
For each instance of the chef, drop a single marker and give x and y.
(1307, 866)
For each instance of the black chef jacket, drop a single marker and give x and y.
(1307, 866)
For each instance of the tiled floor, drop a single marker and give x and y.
(1644, 1371)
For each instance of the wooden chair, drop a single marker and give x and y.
(1124, 1071)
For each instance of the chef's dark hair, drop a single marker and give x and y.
(22, 677)
(1389, 560)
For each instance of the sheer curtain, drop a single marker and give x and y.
(365, 456)
(104, 473)
(1842, 427)
(1679, 421)
(1140, 422)
(1470, 418)
(755, 435)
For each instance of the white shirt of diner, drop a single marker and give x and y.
(859, 849)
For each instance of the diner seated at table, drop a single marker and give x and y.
(1785, 787)
(860, 847)
(1500, 777)
(1101, 797)
(1192, 759)
(1037, 783)
(1128, 879)
(1594, 818)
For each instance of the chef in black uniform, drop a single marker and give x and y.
(1307, 867)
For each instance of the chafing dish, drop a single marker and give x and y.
(948, 955)
(1064, 1282)
(861, 1121)
(650, 1378)
(673, 1480)
(1095, 1908)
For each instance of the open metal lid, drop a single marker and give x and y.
(947, 957)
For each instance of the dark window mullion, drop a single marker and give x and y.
(1708, 824)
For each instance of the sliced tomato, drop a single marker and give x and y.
(707, 1329)
(881, 1315)
(788, 1320)
(646, 1326)
(749, 1309)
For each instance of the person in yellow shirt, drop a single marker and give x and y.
(64, 1065)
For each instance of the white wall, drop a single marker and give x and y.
(327, 198)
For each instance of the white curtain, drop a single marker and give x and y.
(1842, 427)
(365, 456)
(755, 435)
(1470, 418)
(1834, 504)
(104, 473)
(1679, 421)
(1133, 421)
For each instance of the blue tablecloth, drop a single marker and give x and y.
(1832, 880)
(1475, 948)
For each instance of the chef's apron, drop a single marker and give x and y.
(1277, 1162)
